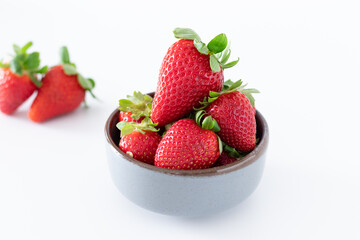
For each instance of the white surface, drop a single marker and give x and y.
(304, 58)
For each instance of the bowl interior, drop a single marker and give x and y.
(113, 137)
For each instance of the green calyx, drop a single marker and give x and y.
(228, 87)
(206, 123)
(145, 125)
(70, 69)
(232, 152)
(218, 48)
(26, 63)
(138, 104)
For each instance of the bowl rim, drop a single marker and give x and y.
(250, 158)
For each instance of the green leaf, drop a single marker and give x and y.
(232, 152)
(92, 82)
(69, 69)
(138, 104)
(15, 65)
(42, 70)
(214, 94)
(198, 116)
(225, 57)
(146, 121)
(140, 131)
(230, 64)
(250, 90)
(218, 43)
(2, 65)
(85, 82)
(127, 129)
(64, 55)
(220, 144)
(248, 93)
(201, 47)
(125, 103)
(235, 85)
(32, 62)
(121, 124)
(186, 33)
(17, 49)
(210, 100)
(251, 99)
(214, 64)
(147, 98)
(227, 84)
(35, 81)
(92, 94)
(208, 123)
(26, 47)
(216, 127)
(145, 125)
(138, 95)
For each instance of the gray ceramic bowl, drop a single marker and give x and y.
(187, 193)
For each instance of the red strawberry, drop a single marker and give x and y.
(188, 72)
(235, 113)
(126, 117)
(187, 146)
(135, 108)
(62, 91)
(139, 140)
(18, 78)
(224, 159)
(141, 146)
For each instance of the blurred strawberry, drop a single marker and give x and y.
(62, 91)
(18, 78)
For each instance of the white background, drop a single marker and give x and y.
(302, 55)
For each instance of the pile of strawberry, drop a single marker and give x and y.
(195, 120)
(61, 89)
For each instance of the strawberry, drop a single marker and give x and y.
(135, 108)
(18, 78)
(187, 146)
(126, 117)
(229, 155)
(234, 111)
(62, 91)
(190, 70)
(224, 159)
(141, 146)
(139, 140)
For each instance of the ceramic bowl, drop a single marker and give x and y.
(189, 193)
